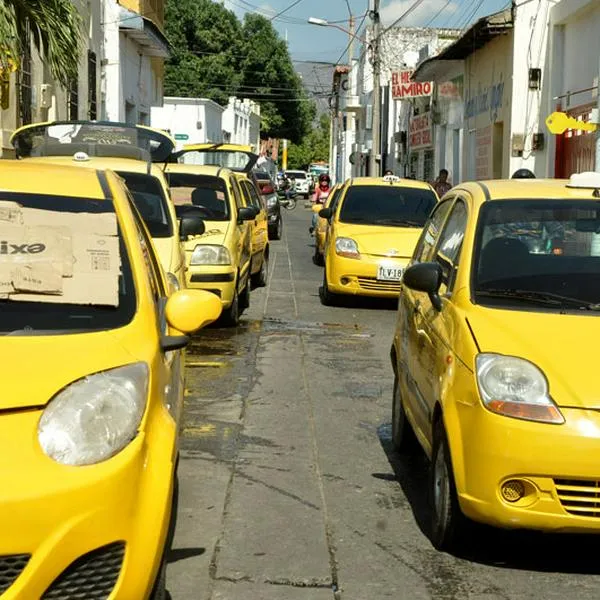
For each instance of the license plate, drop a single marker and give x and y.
(387, 273)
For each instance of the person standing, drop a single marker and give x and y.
(441, 185)
(321, 195)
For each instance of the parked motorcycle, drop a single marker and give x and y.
(287, 198)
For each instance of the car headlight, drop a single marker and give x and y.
(94, 418)
(206, 254)
(272, 201)
(346, 247)
(515, 387)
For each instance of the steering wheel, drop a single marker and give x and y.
(210, 214)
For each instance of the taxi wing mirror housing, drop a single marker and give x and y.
(191, 221)
(326, 213)
(187, 311)
(246, 213)
(425, 277)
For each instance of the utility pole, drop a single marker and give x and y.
(376, 126)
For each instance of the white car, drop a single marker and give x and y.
(302, 180)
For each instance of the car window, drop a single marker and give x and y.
(150, 200)
(431, 231)
(205, 191)
(58, 314)
(255, 198)
(394, 206)
(237, 193)
(527, 248)
(449, 245)
(296, 174)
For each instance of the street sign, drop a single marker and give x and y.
(182, 137)
(559, 122)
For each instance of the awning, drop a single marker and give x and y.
(477, 36)
(145, 32)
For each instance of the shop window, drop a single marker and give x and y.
(73, 100)
(24, 84)
(92, 86)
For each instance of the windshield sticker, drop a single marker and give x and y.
(67, 258)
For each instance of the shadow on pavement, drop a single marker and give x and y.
(363, 302)
(517, 549)
(178, 554)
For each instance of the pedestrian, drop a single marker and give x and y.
(321, 194)
(388, 172)
(523, 174)
(441, 185)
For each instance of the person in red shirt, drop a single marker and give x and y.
(321, 195)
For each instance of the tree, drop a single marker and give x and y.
(313, 148)
(54, 26)
(205, 38)
(215, 56)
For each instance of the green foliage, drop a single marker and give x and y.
(54, 27)
(215, 56)
(313, 148)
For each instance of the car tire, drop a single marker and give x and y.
(403, 435)
(231, 315)
(448, 524)
(244, 300)
(327, 297)
(306, 196)
(260, 279)
(318, 257)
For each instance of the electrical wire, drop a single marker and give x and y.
(289, 7)
(337, 62)
(406, 13)
(438, 13)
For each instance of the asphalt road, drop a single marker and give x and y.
(289, 488)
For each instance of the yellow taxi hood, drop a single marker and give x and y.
(215, 233)
(382, 240)
(36, 368)
(551, 341)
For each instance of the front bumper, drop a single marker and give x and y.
(556, 464)
(359, 276)
(101, 525)
(219, 280)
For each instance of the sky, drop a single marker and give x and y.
(313, 43)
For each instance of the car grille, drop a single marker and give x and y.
(11, 566)
(370, 283)
(90, 577)
(579, 496)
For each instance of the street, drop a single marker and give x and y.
(289, 488)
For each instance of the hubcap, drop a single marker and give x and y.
(441, 485)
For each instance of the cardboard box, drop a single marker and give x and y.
(58, 257)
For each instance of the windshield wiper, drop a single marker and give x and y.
(547, 298)
(407, 222)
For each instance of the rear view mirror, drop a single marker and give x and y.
(191, 221)
(326, 213)
(247, 213)
(425, 277)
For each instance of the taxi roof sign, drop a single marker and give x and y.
(559, 122)
(391, 178)
(587, 180)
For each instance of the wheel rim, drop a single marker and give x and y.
(441, 485)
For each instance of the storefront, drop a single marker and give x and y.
(420, 145)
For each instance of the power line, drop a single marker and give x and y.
(407, 12)
(295, 3)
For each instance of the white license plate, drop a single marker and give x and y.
(386, 273)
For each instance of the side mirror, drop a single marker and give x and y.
(425, 277)
(187, 311)
(247, 213)
(191, 226)
(326, 213)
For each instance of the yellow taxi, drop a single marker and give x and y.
(126, 149)
(90, 403)
(220, 260)
(320, 231)
(493, 375)
(373, 229)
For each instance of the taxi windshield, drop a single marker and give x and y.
(64, 267)
(205, 191)
(543, 253)
(149, 198)
(391, 205)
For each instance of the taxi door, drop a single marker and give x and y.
(260, 225)
(434, 328)
(242, 242)
(411, 336)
